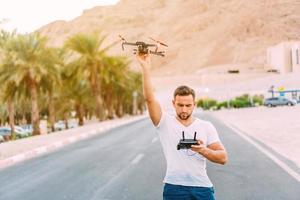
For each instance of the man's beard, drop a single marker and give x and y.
(183, 116)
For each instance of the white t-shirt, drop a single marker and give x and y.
(185, 167)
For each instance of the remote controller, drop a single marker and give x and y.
(187, 143)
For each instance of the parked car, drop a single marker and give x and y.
(4, 132)
(279, 101)
(27, 128)
(20, 133)
(61, 125)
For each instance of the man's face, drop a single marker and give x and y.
(184, 106)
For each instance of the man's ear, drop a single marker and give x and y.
(173, 102)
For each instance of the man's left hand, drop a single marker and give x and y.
(200, 148)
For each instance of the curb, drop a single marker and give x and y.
(56, 145)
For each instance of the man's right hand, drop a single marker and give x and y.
(144, 60)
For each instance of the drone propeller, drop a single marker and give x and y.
(159, 53)
(122, 38)
(159, 42)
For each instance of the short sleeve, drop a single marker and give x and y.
(212, 134)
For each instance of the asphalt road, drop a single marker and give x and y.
(127, 163)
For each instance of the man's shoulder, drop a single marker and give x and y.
(166, 118)
(202, 122)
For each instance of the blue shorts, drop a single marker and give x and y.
(179, 192)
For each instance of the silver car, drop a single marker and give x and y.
(279, 101)
(20, 133)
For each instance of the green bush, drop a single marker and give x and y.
(206, 104)
(242, 101)
(223, 104)
(258, 99)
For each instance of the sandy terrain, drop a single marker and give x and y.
(278, 128)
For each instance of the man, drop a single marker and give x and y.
(186, 176)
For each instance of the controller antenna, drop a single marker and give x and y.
(183, 135)
(195, 135)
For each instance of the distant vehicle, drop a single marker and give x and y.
(4, 131)
(61, 125)
(20, 133)
(279, 101)
(27, 128)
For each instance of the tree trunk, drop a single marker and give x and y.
(95, 86)
(11, 112)
(34, 109)
(110, 111)
(110, 104)
(66, 121)
(79, 113)
(51, 112)
(120, 111)
(99, 107)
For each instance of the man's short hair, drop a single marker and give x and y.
(184, 91)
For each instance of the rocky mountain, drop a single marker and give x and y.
(200, 33)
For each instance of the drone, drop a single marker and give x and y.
(143, 48)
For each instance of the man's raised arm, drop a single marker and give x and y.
(154, 108)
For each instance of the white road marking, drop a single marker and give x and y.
(281, 164)
(137, 159)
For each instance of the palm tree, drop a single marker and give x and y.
(50, 86)
(29, 55)
(90, 65)
(10, 90)
(9, 87)
(115, 74)
(121, 85)
(80, 97)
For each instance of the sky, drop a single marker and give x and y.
(28, 15)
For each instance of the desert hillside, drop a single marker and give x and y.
(200, 33)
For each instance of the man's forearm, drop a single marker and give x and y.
(147, 85)
(154, 108)
(217, 156)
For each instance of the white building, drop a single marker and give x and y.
(284, 57)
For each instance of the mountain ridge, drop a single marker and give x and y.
(199, 33)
